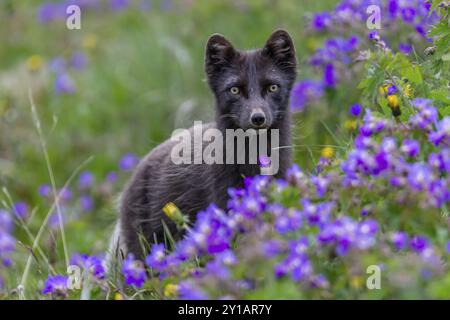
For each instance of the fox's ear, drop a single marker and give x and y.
(280, 48)
(219, 52)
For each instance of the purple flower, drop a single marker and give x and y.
(51, 11)
(302, 269)
(78, 259)
(405, 48)
(298, 247)
(286, 220)
(399, 240)
(392, 6)
(392, 90)
(372, 125)
(436, 160)
(329, 77)
(86, 203)
(211, 233)
(217, 269)
(6, 222)
(92, 264)
(7, 246)
(321, 183)
(56, 285)
(111, 177)
(442, 133)
(20, 209)
(355, 109)
(128, 162)
(65, 194)
(264, 161)
(319, 281)
(118, 5)
(45, 190)
(411, 148)
(321, 20)
(227, 258)
(134, 272)
(426, 116)
(316, 214)
(157, 258)
(86, 180)
(373, 35)
(271, 248)
(58, 65)
(305, 92)
(95, 266)
(78, 60)
(408, 14)
(188, 291)
(294, 175)
(64, 84)
(419, 177)
(419, 243)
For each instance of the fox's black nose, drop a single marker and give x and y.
(258, 119)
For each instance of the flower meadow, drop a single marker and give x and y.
(368, 194)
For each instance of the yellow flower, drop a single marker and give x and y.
(118, 296)
(408, 91)
(350, 125)
(327, 152)
(34, 63)
(383, 90)
(170, 290)
(172, 211)
(393, 101)
(356, 282)
(89, 41)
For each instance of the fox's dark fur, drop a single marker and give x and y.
(157, 180)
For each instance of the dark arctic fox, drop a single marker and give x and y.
(252, 90)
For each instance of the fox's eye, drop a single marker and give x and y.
(234, 90)
(274, 88)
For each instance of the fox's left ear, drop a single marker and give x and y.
(280, 48)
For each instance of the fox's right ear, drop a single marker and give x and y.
(219, 52)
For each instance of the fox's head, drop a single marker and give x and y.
(252, 88)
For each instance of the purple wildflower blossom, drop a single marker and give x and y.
(134, 272)
(419, 243)
(118, 5)
(86, 203)
(128, 162)
(304, 93)
(411, 148)
(56, 285)
(20, 209)
(355, 109)
(86, 180)
(78, 61)
(6, 221)
(399, 240)
(64, 84)
(188, 291)
(157, 258)
(45, 190)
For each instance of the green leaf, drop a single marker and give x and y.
(441, 95)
